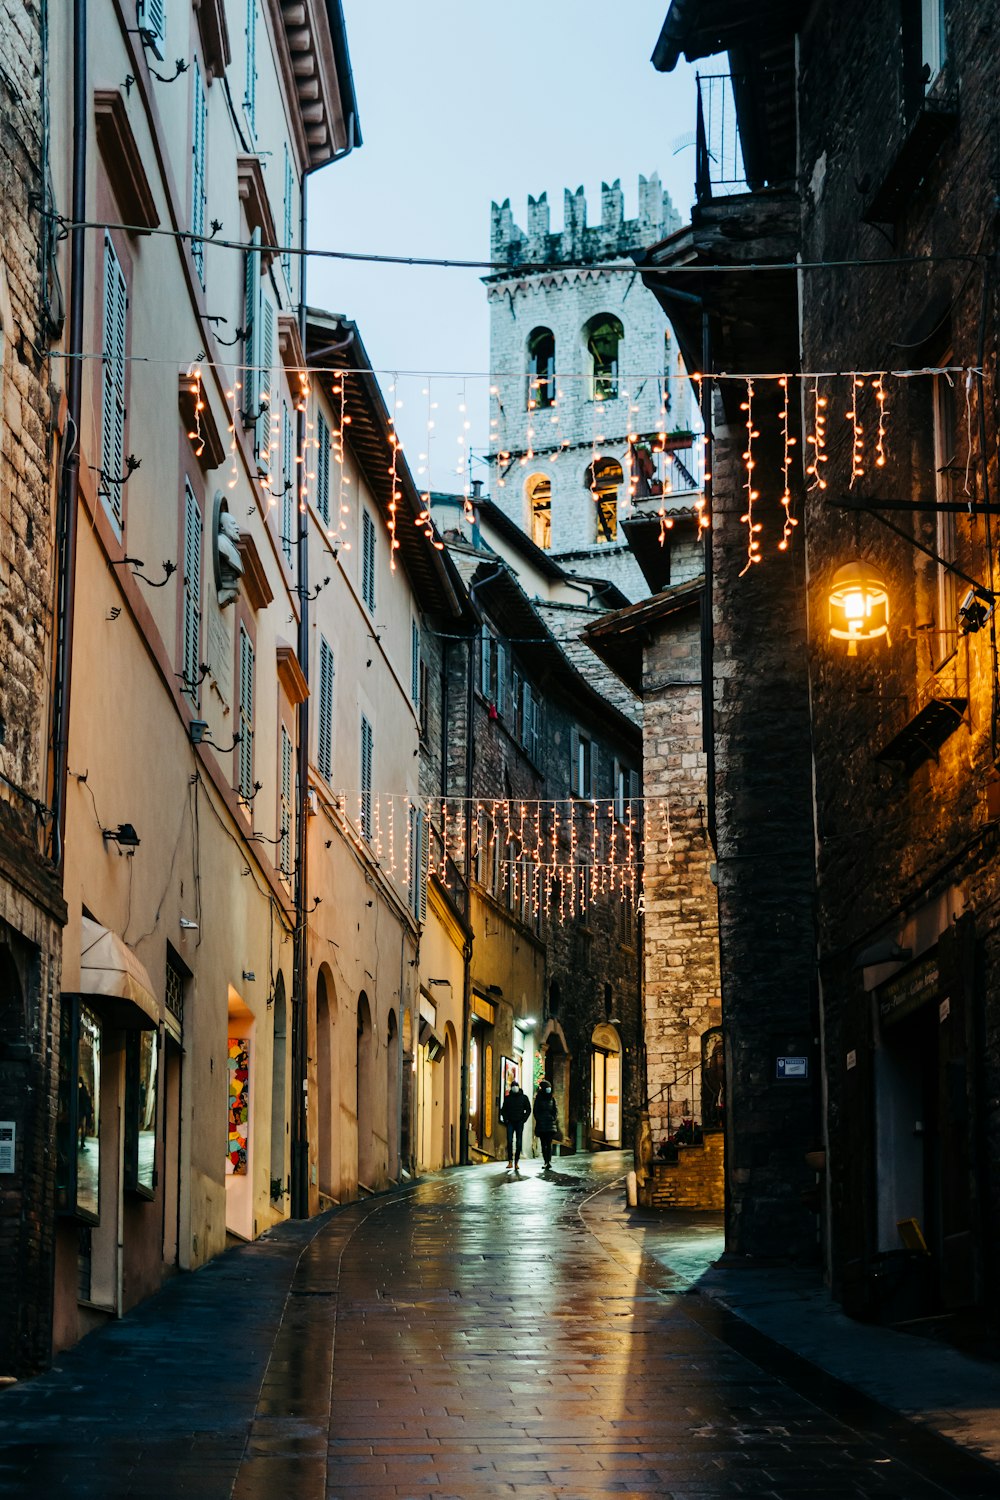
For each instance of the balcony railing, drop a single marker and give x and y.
(719, 170)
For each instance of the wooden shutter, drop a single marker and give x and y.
(286, 259)
(574, 761)
(198, 190)
(415, 662)
(486, 662)
(285, 808)
(535, 741)
(113, 381)
(424, 849)
(501, 697)
(250, 77)
(323, 468)
(246, 715)
(368, 561)
(288, 510)
(366, 777)
(267, 389)
(192, 596)
(151, 18)
(251, 324)
(324, 754)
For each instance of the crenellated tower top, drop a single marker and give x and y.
(578, 241)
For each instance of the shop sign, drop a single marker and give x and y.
(907, 992)
(7, 1139)
(485, 1009)
(791, 1067)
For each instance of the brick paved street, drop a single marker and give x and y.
(479, 1334)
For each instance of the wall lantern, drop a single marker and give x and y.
(859, 605)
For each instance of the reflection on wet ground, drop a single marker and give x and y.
(483, 1333)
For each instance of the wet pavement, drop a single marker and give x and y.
(480, 1333)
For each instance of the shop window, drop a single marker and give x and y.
(239, 1106)
(604, 479)
(141, 1086)
(539, 492)
(602, 339)
(78, 1127)
(541, 367)
(713, 1080)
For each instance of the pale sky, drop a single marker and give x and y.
(462, 102)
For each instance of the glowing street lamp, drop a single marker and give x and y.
(859, 605)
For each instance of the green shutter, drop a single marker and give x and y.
(324, 754)
(113, 381)
(192, 596)
(246, 715)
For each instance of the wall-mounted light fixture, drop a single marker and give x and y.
(249, 975)
(198, 734)
(859, 605)
(187, 925)
(124, 836)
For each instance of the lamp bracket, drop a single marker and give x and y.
(872, 508)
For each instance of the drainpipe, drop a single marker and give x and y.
(66, 513)
(300, 976)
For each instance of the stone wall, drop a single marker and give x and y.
(696, 1181)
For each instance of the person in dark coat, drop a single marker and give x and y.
(514, 1110)
(546, 1119)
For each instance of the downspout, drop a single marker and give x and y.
(66, 514)
(300, 976)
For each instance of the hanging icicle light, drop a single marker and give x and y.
(859, 605)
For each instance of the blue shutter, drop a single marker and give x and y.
(113, 381)
(267, 386)
(285, 807)
(192, 596)
(151, 19)
(324, 752)
(198, 189)
(251, 324)
(368, 561)
(286, 259)
(323, 468)
(250, 77)
(501, 697)
(288, 512)
(366, 777)
(486, 663)
(245, 787)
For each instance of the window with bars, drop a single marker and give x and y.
(285, 806)
(367, 745)
(113, 371)
(245, 785)
(199, 195)
(173, 990)
(323, 468)
(286, 259)
(368, 560)
(287, 487)
(250, 75)
(324, 748)
(151, 20)
(191, 624)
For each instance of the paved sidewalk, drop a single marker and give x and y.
(942, 1389)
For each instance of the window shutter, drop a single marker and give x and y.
(198, 189)
(324, 755)
(286, 259)
(192, 597)
(501, 698)
(516, 703)
(415, 662)
(323, 468)
(535, 746)
(486, 663)
(267, 391)
(251, 317)
(366, 777)
(113, 381)
(285, 808)
(618, 789)
(368, 561)
(151, 19)
(246, 715)
(593, 780)
(574, 760)
(635, 792)
(250, 85)
(524, 727)
(288, 512)
(424, 846)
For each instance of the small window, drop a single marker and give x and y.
(604, 479)
(602, 337)
(583, 757)
(541, 367)
(368, 560)
(367, 746)
(324, 750)
(539, 491)
(932, 39)
(191, 627)
(199, 126)
(245, 763)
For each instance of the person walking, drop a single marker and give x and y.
(546, 1119)
(514, 1110)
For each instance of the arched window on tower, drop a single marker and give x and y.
(603, 481)
(602, 337)
(539, 491)
(541, 367)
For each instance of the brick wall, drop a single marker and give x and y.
(695, 1181)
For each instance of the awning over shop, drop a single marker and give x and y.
(115, 980)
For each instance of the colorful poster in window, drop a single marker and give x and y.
(239, 1107)
(488, 1089)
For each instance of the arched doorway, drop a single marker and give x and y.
(450, 1083)
(605, 1086)
(392, 1095)
(279, 1094)
(365, 1093)
(327, 1084)
(555, 1067)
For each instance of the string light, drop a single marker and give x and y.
(197, 437)
(817, 438)
(753, 527)
(857, 431)
(878, 385)
(788, 443)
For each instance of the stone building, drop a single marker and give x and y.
(856, 753)
(589, 408)
(550, 778)
(31, 905)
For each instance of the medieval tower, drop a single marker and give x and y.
(591, 413)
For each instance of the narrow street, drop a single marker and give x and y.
(482, 1333)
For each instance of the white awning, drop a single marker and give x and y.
(110, 972)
